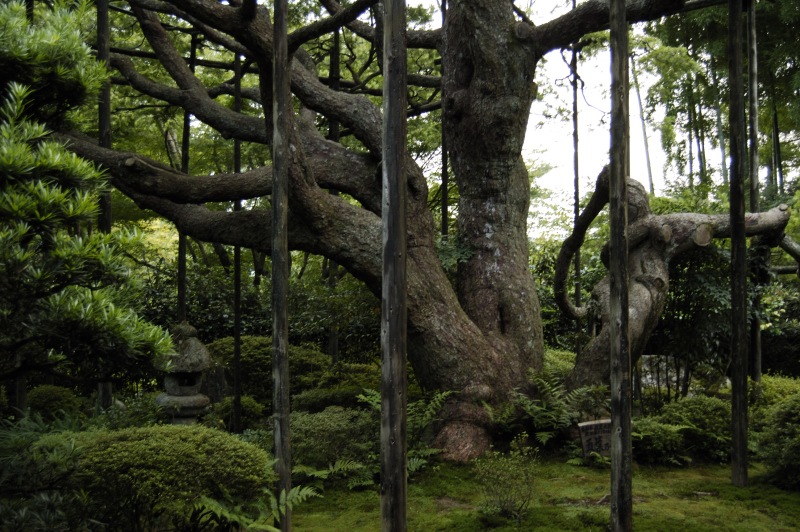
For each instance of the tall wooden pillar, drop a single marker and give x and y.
(738, 248)
(104, 220)
(445, 162)
(187, 133)
(281, 109)
(752, 96)
(393, 304)
(621, 457)
(237, 264)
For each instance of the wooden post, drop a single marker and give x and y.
(333, 134)
(393, 304)
(573, 65)
(738, 249)
(237, 264)
(752, 93)
(621, 458)
(445, 163)
(104, 220)
(644, 126)
(187, 132)
(104, 107)
(281, 107)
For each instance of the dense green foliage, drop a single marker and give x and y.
(49, 57)
(222, 415)
(658, 443)
(306, 366)
(66, 294)
(708, 425)
(336, 433)
(318, 399)
(48, 400)
(779, 445)
(144, 476)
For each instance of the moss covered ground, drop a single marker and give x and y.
(446, 497)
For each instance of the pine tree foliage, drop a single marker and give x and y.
(65, 291)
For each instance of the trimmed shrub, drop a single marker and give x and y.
(353, 375)
(658, 443)
(306, 366)
(252, 413)
(142, 478)
(319, 399)
(707, 425)
(48, 400)
(336, 433)
(774, 389)
(779, 445)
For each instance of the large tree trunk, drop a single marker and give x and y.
(479, 342)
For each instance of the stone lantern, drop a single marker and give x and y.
(183, 401)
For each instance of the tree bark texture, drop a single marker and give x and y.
(480, 340)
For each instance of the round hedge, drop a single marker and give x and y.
(48, 400)
(252, 413)
(336, 433)
(154, 474)
(306, 366)
(657, 443)
(708, 425)
(779, 445)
